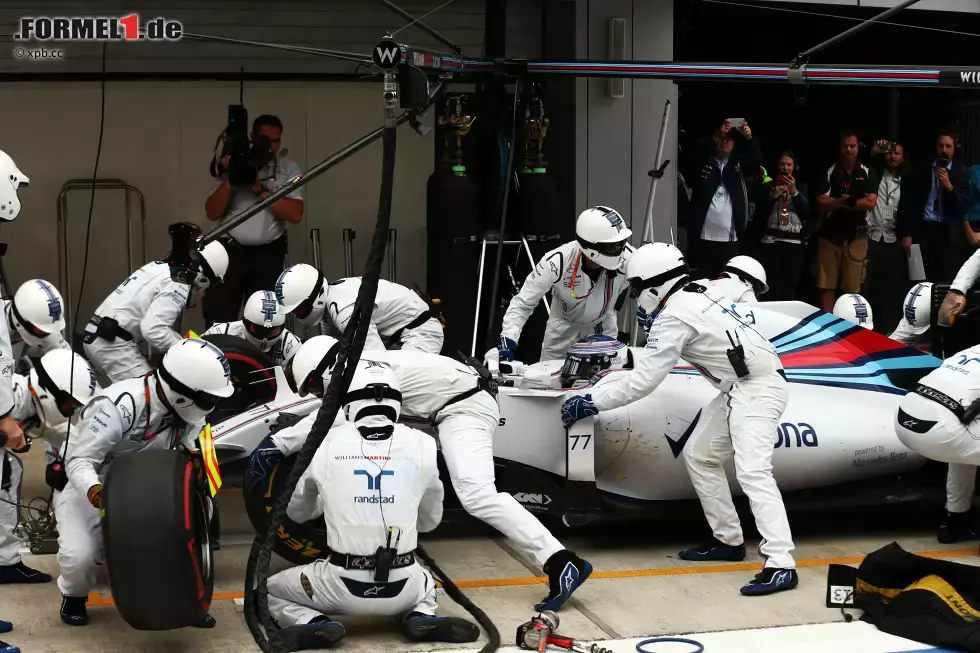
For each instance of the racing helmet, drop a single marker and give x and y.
(917, 307)
(308, 369)
(37, 311)
(653, 271)
(57, 389)
(854, 308)
(374, 400)
(194, 375)
(591, 355)
(214, 265)
(301, 290)
(10, 180)
(263, 319)
(603, 236)
(748, 270)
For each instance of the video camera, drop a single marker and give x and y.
(247, 154)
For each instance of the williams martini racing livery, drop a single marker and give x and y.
(845, 384)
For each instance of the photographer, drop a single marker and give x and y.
(257, 247)
(845, 195)
(784, 210)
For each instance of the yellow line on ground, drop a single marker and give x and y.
(96, 599)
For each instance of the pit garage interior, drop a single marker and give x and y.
(164, 104)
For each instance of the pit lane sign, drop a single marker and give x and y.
(387, 55)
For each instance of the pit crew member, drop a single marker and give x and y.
(262, 324)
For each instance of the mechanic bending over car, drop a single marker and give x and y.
(460, 401)
(743, 279)
(144, 309)
(44, 401)
(37, 315)
(371, 569)
(585, 277)
(402, 318)
(262, 324)
(159, 410)
(940, 419)
(692, 321)
(913, 328)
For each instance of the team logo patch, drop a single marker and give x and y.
(615, 219)
(278, 287)
(910, 304)
(860, 310)
(368, 364)
(269, 306)
(54, 304)
(220, 356)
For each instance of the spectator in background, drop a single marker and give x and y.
(257, 248)
(845, 195)
(887, 277)
(719, 201)
(783, 214)
(938, 196)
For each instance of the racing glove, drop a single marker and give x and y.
(953, 305)
(507, 349)
(261, 465)
(576, 408)
(95, 498)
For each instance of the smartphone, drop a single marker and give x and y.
(736, 123)
(890, 146)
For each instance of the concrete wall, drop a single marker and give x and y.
(616, 138)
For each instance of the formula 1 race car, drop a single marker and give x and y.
(837, 430)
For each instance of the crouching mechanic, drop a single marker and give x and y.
(371, 569)
(262, 324)
(460, 402)
(743, 279)
(696, 323)
(37, 315)
(940, 419)
(585, 277)
(156, 411)
(144, 309)
(401, 319)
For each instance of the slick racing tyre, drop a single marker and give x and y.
(157, 545)
(264, 481)
(252, 374)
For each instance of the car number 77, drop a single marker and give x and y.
(585, 445)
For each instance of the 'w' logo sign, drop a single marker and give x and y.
(387, 54)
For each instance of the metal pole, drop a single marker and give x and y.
(334, 54)
(349, 235)
(860, 27)
(479, 294)
(392, 247)
(315, 240)
(648, 220)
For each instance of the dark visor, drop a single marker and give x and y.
(606, 249)
(575, 369)
(262, 332)
(30, 326)
(638, 285)
(306, 306)
(63, 400)
(203, 400)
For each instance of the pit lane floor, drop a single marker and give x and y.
(640, 588)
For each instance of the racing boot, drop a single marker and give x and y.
(206, 622)
(714, 549)
(430, 628)
(8, 648)
(771, 580)
(320, 632)
(73, 611)
(958, 527)
(21, 573)
(6, 626)
(566, 572)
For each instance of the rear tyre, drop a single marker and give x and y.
(156, 534)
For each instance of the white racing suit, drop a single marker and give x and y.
(906, 334)
(967, 274)
(146, 305)
(281, 351)
(125, 418)
(9, 480)
(363, 488)
(579, 305)
(694, 325)
(400, 316)
(465, 429)
(731, 288)
(932, 428)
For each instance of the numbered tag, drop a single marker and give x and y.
(841, 581)
(580, 450)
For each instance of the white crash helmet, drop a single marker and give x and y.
(57, 389)
(591, 355)
(748, 270)
(264, 319)
(603, 236)
(917, 307)
(653, 271)
(194, 375)
(214, 265)
(37, 311)
(302, 291)
(10, 180)
(307, 370)
(374, 400)
(854, 308)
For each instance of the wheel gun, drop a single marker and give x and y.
(540, 631)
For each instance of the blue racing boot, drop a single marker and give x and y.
(958, 527)
(566, 572)
(8, 648)
(6, 626)
(429, 628)
(320, 632)
(73, 610)
(714, 549)
(21, 573)
(771, 580)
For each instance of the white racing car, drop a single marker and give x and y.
(835, 434)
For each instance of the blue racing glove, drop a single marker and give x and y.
(576, 408)
(507, 349)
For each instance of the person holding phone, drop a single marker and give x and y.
(783, 209)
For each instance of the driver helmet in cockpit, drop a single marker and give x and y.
(591, 355)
